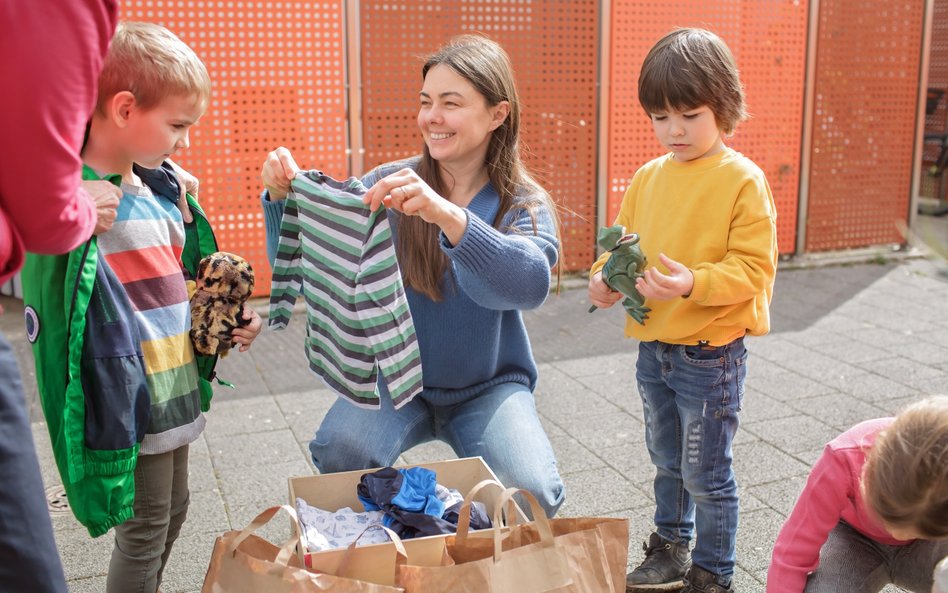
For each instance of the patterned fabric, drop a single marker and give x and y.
(325, 530)
(340, 257)
(144, 248)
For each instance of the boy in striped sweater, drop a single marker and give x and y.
(153, 88)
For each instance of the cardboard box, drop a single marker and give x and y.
(375, 563)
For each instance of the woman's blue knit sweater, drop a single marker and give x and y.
(475, 336)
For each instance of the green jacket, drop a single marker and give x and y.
(89, 366)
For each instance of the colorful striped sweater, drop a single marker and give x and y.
(144, 249)
(339, 255)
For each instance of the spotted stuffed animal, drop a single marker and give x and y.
(224, 283)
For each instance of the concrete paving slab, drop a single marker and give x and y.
(600, 431)
(253, 449)
(835, 356)
(187, 564)
(779, 495)
(785, 385)
(759, 407)
(206, 514)
(201, 474)
(848, 350)
(873, 387)
(598, 492)
(925, 352)
(838, 410)
(572, 456)
(87, 584)
(246, 416)
(792, 434)
(632, 461)
(762, 462)
(304, 411)
(755, 538)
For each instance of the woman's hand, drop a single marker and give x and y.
(278, 171)
(600, 294)
(406, 192)
(246, 334)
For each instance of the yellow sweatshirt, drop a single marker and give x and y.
(716, 216)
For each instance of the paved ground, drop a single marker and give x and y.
(849, 342)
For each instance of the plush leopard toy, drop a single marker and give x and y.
(224, 283)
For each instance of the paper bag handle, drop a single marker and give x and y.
(401, 556)
(286, 550)
(464, 515)
(539, 517)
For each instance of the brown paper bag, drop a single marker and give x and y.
(245, 563)
(531, 558)
(614, 533)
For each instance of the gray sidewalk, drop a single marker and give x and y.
(848, 343)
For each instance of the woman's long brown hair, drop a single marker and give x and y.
(485, 65)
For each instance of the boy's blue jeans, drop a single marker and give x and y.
(499, 424)
(691, 396)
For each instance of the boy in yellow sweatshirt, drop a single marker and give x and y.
(705, 213)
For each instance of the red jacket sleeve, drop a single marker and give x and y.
(52, 52)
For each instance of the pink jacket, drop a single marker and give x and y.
(832, 493)
(50, 90)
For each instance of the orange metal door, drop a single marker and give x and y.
(278, 78)
(866, 98)
(553, 48)
(768, 40)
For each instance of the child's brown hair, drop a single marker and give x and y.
(150, 62)
(905, 478)
(689, 68)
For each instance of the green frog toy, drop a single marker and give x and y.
(625, 265)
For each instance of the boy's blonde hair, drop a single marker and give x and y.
(906, 473)
(688, 68)
(150, 62)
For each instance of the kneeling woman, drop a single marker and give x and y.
(475, 239)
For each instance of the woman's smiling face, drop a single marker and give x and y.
(454, 117)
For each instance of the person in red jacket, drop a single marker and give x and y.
(49, 96)
(874, 510)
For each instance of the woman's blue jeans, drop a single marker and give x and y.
(691, 396)
(499, 424)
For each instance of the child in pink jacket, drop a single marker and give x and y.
(874, 510)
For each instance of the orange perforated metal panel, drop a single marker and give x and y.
(866, 96)
(936, 117)
(768, 40)
(553, 47)
(278, 76)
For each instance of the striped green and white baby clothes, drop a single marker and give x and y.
(339, 255)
